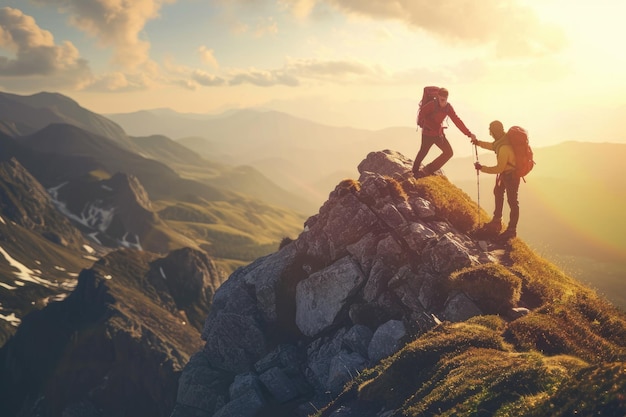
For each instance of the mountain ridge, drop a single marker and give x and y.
(36, 111)
(386, 279)
(23, 118)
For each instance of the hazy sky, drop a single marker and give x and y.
(556, 67)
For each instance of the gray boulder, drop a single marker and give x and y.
(279, 385)
(358, 338)
(234, 343)
(344, 367)
(321, 297)
(200, 386)
(386, 340)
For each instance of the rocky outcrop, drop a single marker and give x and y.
(371, 269)
(116, 345)
(191, 278)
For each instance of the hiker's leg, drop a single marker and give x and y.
(427, 143)
(446, 153)
(511, 182)
(498, 192)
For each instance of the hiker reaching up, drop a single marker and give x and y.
(430, 119)
(506, 181)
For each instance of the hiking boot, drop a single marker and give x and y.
(489, 230)
(506, 236)
(420, 174)
(494, 226)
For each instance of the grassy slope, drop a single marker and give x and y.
(233, 230)
(233, 233)
(567, 357)
(245, 179)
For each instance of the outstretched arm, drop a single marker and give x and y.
(504, 156)
(458, 122)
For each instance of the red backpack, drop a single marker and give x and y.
(518, 138)
(429, 94)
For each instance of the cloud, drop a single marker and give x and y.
(298, 8)
(257, 27)
(293, 73)
(513, 28)
(39, 63)
(207, 56)
(334, 70)
(248, 17)
(266, 27)
(118, 82)
(36, 56)
(148, 76)
(238, 28)
(206, 79)
(186, 84)
(187, 77)
(263, 78)
(115, 23)
(296, 72)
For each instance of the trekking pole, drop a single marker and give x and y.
(477, 183)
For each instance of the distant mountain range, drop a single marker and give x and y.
(68, 183)
(303, 157)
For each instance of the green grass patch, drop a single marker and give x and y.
(400, 376)
(234, 232)
(464, 369)
(451, 202)
(595, 390)
(491, 286)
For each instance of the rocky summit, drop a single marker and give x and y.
(369, 272)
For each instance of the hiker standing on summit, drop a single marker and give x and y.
(506, 181)
(431, 115)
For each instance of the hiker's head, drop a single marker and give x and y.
(496, 129)
(442, 96)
